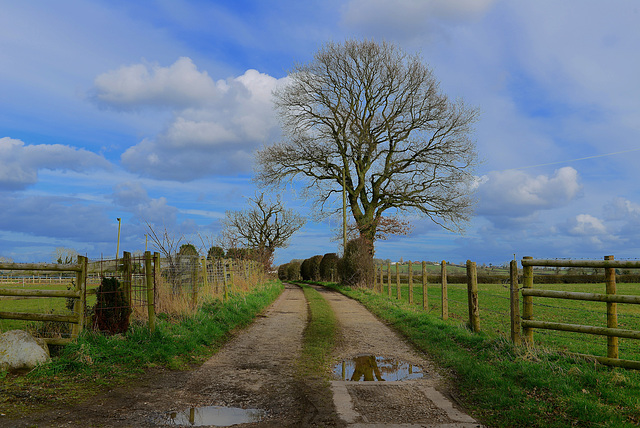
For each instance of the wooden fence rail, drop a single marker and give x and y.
(78, 294)
(472, 288)
(611, 331)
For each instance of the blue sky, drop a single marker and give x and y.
(151, 111)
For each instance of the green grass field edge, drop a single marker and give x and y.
(506, 386)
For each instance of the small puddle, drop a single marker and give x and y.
(372, 368)
(214, 415)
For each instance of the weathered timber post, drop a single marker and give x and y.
(375, 279)
(381, 279)
(389, 279)
(445, 297)
(527, 302)
(515, 303)
(472, 291)
(410, 283)
(151, 306)
(205, 276)
(232, 273)
(225, 289)
(398, 292)
(127, 276)
(425, 299)
(80, 303)
(194, 282)
(612, 309)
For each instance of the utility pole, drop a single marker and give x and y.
(118, 244)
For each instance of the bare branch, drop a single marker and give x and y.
(377, 114)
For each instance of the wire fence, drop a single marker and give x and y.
(135, 287)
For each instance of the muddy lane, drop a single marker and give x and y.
(382, 381)
(251, 380)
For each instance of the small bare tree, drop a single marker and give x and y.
(168, 244)
(262, 228)
(375, 114)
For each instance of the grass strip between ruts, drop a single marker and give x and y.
(507, 386)
(96, 360)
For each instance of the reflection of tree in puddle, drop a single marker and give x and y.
(366, 367)
(372, 368)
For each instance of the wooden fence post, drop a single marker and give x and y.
(515, 303)
(410, 282)
(425, 299)
(389, 279)
(194, 281)
(445, 297)
(127, 276)
(205, 276)
(612, 309)
(527, 302)
(375, 279)
(472, 291)
(381, 280)
(224, 277)
(79, 304)
(151, 307)
(399, 293)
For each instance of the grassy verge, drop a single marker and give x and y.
(505, 386)
(320, 335)
(318, 342)
(97, 360)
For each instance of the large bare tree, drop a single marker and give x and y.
(263, 227)
(375, 114)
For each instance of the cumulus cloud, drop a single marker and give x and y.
(216, 126)
(515, 193)
(132, 197)
(19, 163)
(409, 17)
(141, 85)
(586, 224)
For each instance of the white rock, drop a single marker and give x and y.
(20, 351)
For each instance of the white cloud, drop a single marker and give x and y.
(216, 125)
(141, 85)
(515, 193)
(586, 224)
(19, 163)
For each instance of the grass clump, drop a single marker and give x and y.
(95, 360)
(506, 386)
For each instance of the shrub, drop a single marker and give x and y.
(282, 272)
(111, 312)
(356, 266)
(293, 271)
(328, 265)
(305, 270)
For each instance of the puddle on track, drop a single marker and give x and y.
(214, 416)
(372, 368)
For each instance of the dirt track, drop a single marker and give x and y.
(257, 370)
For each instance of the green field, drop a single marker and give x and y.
(495, 319)
(41, 305)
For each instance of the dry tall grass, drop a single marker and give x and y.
(180, 302)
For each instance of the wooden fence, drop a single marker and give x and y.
(78, 294)
(522, 327)
(472, 287)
